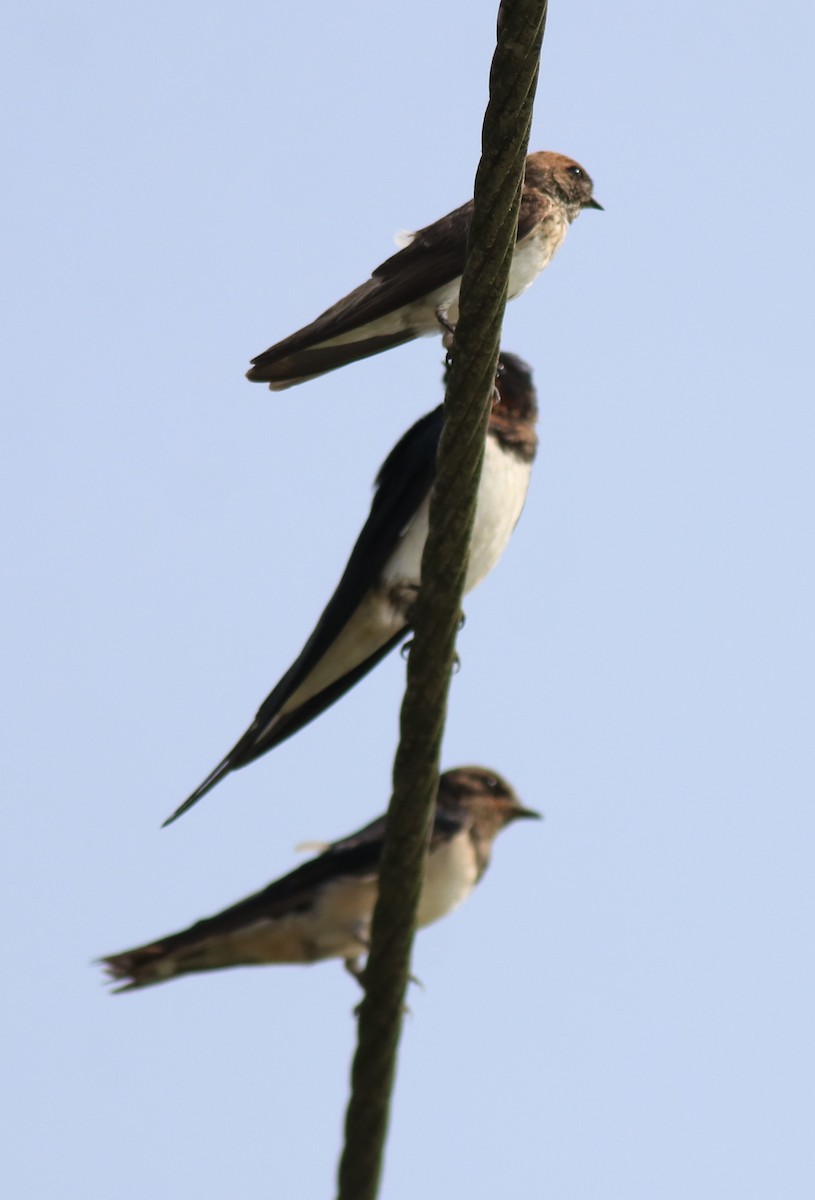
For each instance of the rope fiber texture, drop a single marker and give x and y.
(437, 611)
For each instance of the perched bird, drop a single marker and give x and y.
(323, 909)
(407, 294)
(369, 612)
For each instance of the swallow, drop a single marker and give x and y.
(415, 292)
(369, 613)
(323, 909)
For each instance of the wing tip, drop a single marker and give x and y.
(264, 375)
(222, 769)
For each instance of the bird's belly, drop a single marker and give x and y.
(422, 314)
(450, 876)
(340, 921)
(501, 495)
(403, 570)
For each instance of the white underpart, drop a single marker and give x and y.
(338, 924)
(450, 876)
(383, 612)
(535, 253)
(501, 495)
(419, 318)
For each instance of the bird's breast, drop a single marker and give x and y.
(534, 253)
(501, 495)
(450, 876)
(403, 569)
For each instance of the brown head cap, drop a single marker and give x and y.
(561, 178)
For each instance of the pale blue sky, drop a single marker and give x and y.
(624, 1009)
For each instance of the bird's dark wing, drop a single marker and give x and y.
(357, 855)
(403, 481)
(433, 257)
(296, 892)
(284, 368)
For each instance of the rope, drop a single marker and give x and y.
(436, 616)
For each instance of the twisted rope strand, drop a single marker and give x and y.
(497, 193)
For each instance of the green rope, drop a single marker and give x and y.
(497, 193)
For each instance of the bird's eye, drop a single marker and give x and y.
(576, 171)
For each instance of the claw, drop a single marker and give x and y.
(449, 331)
(354, 967)
(443, 320)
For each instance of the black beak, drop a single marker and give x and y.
(594, 204)
(526, 812)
